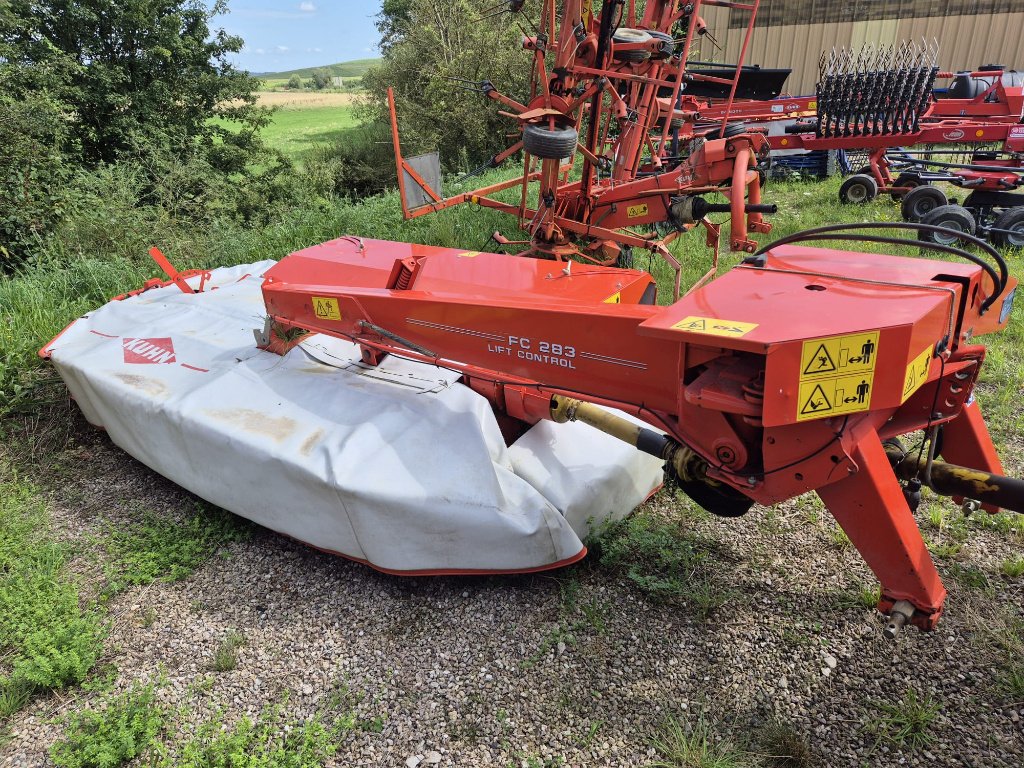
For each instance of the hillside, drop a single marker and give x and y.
(356, 68)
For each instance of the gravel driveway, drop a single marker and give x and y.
(577, 667)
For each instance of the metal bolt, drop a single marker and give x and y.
(970, 506)
(752, 481)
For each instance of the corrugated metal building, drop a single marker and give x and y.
(793, 33)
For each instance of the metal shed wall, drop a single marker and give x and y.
(991, 32)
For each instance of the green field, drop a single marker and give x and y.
(347, 69)
(274, 83)
(296, 131)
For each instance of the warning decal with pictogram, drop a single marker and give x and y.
(714, 326)
(834, 397)
(839, 355)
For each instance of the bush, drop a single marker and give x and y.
(32, 174)
(362, 165)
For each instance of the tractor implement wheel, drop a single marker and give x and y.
(858, 189)
(905, 180)
(1012, 222)
(666, 50)
(549, 143)
(920, 201)
(627, 35)
(955, 218)
(732, 129)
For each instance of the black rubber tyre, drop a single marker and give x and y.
(732, 129)
(1011, 219)
(953, 217)
(666, 50)
(905, 180)
(864, 170)
(858, 189)
(628, 35)
(547, 144)
(921, 201)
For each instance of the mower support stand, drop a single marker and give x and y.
(966, 441)
(872, 510)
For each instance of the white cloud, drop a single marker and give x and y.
(259, 51)
(307, 7)
(313, 50)
(281, 48)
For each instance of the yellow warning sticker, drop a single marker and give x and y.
(637, 210)
(812, 105)
(917, 373)
(839, 356)
(615, 298)
(467, 255)
(714, 326)
(326, 308)
(834, 397)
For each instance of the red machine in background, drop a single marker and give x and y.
(993, 208)
(882, 99)
(603, 87)
(797, 371)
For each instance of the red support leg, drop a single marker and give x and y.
(870, 507)
(966, 441)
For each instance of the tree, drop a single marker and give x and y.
(321, 79)
(294, 83)
(426, 42)
(145, 83)
(134, 74)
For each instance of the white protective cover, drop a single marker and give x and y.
(398, 466)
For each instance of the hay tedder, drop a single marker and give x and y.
(608, 86)
(406, 367)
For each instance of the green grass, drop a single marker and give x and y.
(296, 131)
(113, 734)
(225, 657)
(695, 746)
(49, 636)
(157, 548)
(782, 746)
(907, 723)
(664, 560)
(1012, 567)
(269, 741)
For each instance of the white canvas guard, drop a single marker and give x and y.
(399, 466)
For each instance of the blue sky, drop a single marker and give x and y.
(292, 34)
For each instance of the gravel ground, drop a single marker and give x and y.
(515, 671)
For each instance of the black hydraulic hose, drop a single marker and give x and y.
(826, 233)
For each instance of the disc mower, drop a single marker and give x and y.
(800, 370)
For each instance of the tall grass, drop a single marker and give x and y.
(101, 252)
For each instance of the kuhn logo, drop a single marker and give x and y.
(148, 351)
(1017, 131)
(955, 135)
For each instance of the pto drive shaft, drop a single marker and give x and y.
(952, 480)
(687, 464)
